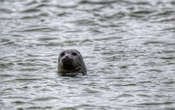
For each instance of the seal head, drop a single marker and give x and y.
(70, 63)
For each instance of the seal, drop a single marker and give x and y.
(70, 63)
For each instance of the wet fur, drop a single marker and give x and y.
(78, 65)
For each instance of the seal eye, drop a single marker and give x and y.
(74, 54)
(62, 54)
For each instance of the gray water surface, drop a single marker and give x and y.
(128, 47)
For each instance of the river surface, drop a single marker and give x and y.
(128, 47)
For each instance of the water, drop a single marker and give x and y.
(128, 47)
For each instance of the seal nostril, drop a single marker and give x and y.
(66, 57)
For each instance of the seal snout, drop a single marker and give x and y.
(67, 60)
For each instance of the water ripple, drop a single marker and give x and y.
(127, 45)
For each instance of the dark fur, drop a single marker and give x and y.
(70, 63)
